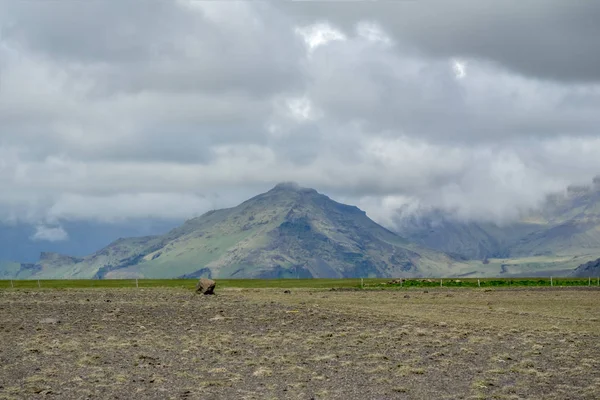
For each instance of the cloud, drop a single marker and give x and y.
(49, 233)
(129, 206)
(546, 39)
(186, 106)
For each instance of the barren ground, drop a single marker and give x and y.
(265, 344)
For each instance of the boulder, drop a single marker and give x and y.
(205, 286)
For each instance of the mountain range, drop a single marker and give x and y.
(558, 237)
(295, 232)
(287, 232)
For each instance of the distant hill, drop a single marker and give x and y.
(590, 269)
(473, 240)
(287, 232)
(567, 226)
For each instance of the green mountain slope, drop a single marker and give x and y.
(285, 233)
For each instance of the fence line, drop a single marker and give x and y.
(365, 283)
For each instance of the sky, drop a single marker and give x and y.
(115, 111)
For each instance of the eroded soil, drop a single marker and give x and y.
(262, 344)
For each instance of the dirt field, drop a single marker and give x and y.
(266, 344)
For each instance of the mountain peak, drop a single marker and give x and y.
(291, 187)
(287, 186)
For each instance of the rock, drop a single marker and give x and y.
(205, 286)
(396, 281)
(287, 292)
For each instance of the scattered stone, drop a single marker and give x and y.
(406, 296)
(287, 292)
(205, 286)
(425, 291)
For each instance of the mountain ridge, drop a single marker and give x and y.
(590, 269)
(288, 231)
(563, 231)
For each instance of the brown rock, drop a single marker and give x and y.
(205, 286)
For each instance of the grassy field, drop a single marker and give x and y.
(300, 283)
(255, 343)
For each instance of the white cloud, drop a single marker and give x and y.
(187, 106)
(319, 34)
(50, 233)
(127, 206)
(460, 68)
(372, 32)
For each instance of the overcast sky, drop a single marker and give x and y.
(166, 109)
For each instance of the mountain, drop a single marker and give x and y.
(590, 269)
(569, 224)
(565, 230)
(473, 240)
(287, 232)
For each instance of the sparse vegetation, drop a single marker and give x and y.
(369, 283)
(259, 343)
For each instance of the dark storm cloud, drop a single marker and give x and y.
(160, 45)
(546, 39)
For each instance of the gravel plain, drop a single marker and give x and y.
(308, 344)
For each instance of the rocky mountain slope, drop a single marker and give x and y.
(287, 232)
(590, 269)
(568, 225)
(473, 240)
